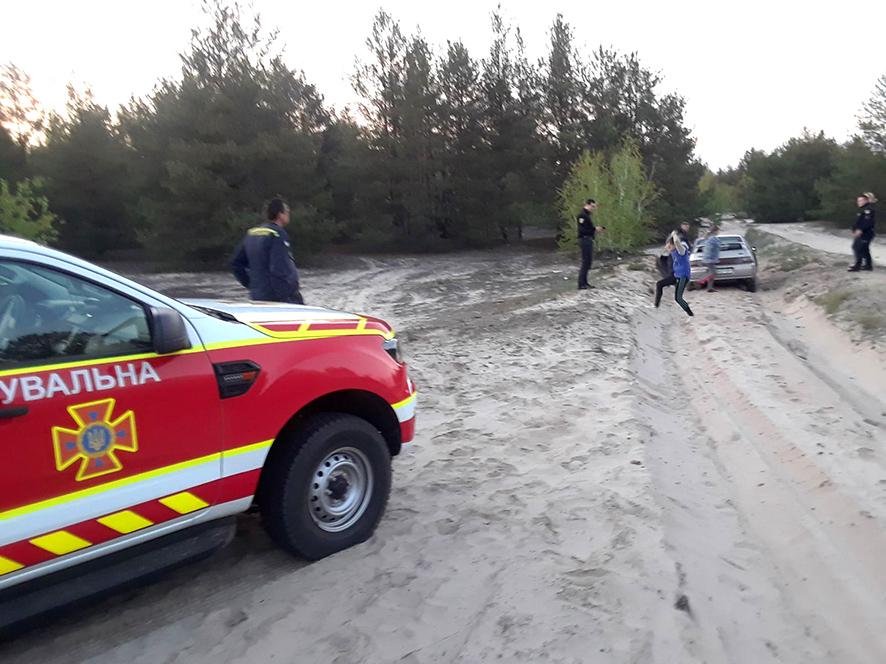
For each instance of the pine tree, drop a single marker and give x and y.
(85, 163)
(460, 124)
(873, 119)
(238, 128)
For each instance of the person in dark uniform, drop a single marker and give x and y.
(863, 232)
(263, 262)
(586, 232)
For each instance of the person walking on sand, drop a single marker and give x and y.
(586, 232)
(863, 232)
(680, 256)
(665, 265)
(263, 262)
(710, 258)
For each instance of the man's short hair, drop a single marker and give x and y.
(590, 201)
(276, 207)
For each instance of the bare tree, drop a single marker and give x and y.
(872, 121)
(20, 113)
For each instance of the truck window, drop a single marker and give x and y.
(48, 316)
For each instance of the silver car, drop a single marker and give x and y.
(738, 262)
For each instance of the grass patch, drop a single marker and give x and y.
(779, 254)
(793, 258)
(870, 322)
(833, 300)
(760, 239)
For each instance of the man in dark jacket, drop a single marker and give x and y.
(863, 231)
(263, 262)
(586, 232)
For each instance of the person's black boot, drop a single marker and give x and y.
(854, 268)
(868, 268)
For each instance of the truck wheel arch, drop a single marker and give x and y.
(365, 405)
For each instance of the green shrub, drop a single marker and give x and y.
(25, 213)
(623, 194)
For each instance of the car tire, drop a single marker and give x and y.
(751, 285)
(326, 490)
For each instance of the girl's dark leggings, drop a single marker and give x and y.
(669, 280)
(682, 282)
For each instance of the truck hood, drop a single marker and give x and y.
(294, 320)
(266, 312)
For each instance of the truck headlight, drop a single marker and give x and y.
(392, 348)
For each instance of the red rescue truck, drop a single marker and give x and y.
(134, 426)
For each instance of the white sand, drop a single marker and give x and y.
(582, 462)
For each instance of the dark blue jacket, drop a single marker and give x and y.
(263, 263)
(586, 226)
(865, 222)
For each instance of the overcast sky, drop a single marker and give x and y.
(753, 72)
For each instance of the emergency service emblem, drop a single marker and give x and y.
(96, 440)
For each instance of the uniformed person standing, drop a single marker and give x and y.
(863, 231)
(586, 232)
(263, 262)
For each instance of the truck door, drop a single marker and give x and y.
(101, 437)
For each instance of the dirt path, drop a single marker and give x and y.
(773, 484)
(593, 481)
(822, 239)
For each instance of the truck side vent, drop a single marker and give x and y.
(235, 378)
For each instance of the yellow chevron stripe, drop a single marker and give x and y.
(7, 566)
(184, 502)
(60, 542)
(125, 522)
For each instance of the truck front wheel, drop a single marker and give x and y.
(328, 489)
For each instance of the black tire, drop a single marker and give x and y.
(751, 285)
(288, 487)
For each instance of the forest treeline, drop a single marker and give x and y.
(810, 177)
(442, 149)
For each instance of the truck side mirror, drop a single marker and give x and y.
(169, 331)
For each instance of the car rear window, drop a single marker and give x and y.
(726, 244)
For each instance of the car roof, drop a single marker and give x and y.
(12, 242)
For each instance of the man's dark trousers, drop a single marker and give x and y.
(862, 249)
(587, 258)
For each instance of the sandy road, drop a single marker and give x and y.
(584, 464)
(773, 482)
(821, 239)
